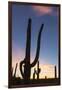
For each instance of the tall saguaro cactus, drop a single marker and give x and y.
(27, 65)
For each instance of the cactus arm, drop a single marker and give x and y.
(38, 47)
(28, 42)
(21, 64)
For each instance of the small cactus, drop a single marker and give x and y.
(36, 71)
(15, 70)
(55, 72)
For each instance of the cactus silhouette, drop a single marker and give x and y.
(36, 72)
(27, 65)
(55, 72)
(15, 70)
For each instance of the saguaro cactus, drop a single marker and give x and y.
(55, 72)
(15, 70)
(27, 65)
(36, 72)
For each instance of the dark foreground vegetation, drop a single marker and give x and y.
(16, 82)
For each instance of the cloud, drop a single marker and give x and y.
(42, 10)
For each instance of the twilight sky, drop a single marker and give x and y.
(49, 40)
